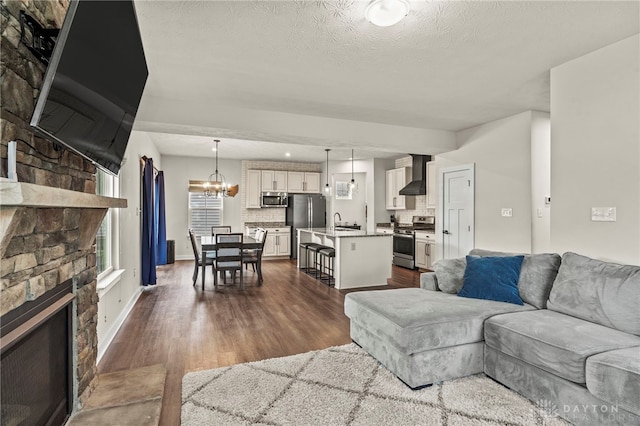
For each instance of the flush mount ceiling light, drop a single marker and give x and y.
(385, 13)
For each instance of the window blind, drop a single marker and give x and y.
(204, 212)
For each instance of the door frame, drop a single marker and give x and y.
(441, 172)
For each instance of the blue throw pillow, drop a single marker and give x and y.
(492, 278)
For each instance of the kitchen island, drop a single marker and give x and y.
(363, 259)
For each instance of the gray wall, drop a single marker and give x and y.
(177, 173)
(501, 151)
(595, 152)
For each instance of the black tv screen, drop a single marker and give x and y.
(94, 82)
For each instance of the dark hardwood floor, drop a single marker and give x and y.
(187, 329)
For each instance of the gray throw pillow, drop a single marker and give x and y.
(450, 274)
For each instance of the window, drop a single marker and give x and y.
(106, 238)
(204, 212)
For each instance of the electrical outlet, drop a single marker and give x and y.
(134, 272)
(353, 246)
(507, 212)
(603, 214)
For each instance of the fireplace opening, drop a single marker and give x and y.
(36, 380)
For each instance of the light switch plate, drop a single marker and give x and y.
(506, 212)
(539, 212)
(603, 214)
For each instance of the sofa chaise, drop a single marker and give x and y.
(574, 343)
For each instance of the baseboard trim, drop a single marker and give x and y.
(103, 346)
(185, 257)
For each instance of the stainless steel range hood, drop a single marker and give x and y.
(418, 184)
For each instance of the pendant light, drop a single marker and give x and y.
(217, 186)
(327, 188)
(352, 184)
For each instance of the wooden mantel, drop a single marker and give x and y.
(17, 196)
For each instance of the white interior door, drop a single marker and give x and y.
(458, 194)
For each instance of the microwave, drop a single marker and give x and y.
(274, 199)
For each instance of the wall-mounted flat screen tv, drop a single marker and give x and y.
(94, 82)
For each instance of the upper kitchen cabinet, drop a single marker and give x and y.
(303, 182)
(253, 189)
(396, 180)
(274, 180)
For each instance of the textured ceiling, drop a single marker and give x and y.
(449, 65)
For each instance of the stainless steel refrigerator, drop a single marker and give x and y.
(305, 211)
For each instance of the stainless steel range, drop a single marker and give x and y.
(404, 240)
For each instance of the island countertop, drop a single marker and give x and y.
(328, 232)
(351, 263)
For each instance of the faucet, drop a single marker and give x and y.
(334, 218)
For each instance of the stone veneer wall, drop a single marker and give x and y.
(45, 251)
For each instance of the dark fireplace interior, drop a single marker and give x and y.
(36, 387)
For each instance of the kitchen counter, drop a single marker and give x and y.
(363, 259)
(352, 233)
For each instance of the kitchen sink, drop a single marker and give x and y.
(347, 228)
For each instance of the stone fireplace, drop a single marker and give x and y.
(49, 219)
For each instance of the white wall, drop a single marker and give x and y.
(595, 152)
(177, 173)
(130, 178)
(351, 211)
(374, 172)
(540, 182)
(501, 151)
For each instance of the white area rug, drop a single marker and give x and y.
(343, 385)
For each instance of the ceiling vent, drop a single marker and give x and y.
(418, 184)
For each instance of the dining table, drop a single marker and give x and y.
(208, 244)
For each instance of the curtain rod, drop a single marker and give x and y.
(144, 158)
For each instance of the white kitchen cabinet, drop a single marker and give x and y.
(303, 182)
(274, 180)
(253, 189)
(432, 186)
(425, 243)
(278, 242)
(395, 181)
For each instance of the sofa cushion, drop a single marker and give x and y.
(492, 278)
(536, 276)
(614, 377)
(600, 292)
(449, 274)
(557, 343)
(414, 320)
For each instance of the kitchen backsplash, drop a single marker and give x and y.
(405, 216)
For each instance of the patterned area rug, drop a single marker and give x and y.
(343, 385)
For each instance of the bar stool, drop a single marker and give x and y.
(313, 248)
(327, 254)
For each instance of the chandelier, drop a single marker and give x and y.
(216, 185)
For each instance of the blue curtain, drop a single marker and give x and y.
(148, 226)
(161, 222)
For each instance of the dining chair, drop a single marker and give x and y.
(220, 230)
(228, 256)
(252, 252)
(196, 255)
(254, 257)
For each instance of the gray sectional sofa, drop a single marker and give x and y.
(574, 345)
